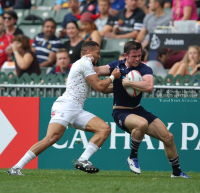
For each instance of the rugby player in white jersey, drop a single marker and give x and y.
(68, 110)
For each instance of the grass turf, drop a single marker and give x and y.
(50, 181)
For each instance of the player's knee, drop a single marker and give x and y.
(105, 131)
(143, 125)
(53, 139)
(169, 139)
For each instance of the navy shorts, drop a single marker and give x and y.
(120, 115)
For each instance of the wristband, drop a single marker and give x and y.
(112, 78)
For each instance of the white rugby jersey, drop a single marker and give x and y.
(78, 88)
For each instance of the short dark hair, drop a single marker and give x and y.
(49, 19)
(88, 45)
(161, 2)
(132, 45)
(74, 22)
(12, 14)
(1, 15)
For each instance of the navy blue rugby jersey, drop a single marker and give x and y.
(121, 98)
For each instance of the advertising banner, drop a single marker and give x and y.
(173, 41)
(19, 125)
(181, 116)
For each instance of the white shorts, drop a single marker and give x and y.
(66, 114)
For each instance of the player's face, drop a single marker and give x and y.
(193, 54)
(96, 54)
(62, 60)
(49, 29)
(134, 57)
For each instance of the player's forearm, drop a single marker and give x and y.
(103, 84)
(108, 90)
(142, 86)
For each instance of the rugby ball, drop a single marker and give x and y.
(133, 75)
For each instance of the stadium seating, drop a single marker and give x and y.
(60, 15)
(21, 14)
(108, 56)
(31, 30)
(115, 44)
(43, 14)
(47, 3)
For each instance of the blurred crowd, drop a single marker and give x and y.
(95, 20)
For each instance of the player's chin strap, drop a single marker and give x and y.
(112, 78)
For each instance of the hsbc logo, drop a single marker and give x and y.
(7, 132)
(186, 138)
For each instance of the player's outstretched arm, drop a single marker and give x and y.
(102, 70)
(108, 90)
(100, 85)
(146, 85)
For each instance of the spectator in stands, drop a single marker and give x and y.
(152, 20)
(184, 10)
(62, 63)
(189, 64)
(25, 59)
(168, 4)
(115, 7)
(105, 21)
(5, 41)
(144, 6)
(88, 6)
(89, 31)
(74, 6)
(45, 45)
(10, 19)
(128, 22)
(59, 4)
(169, 57)
(73, 46)
(16, 4)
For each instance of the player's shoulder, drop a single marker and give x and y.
(145, 68)
(115, 63)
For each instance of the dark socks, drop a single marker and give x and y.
(134, 148)
(175, 166)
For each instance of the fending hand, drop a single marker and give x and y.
(116, 73)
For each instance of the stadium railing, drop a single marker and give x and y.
(54, 86)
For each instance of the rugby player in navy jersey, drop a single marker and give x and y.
(130, 116)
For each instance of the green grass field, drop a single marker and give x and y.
(50, 181)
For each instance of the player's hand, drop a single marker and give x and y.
(116, 73)
(125, 82)
(90, 56)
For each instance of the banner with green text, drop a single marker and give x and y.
(181, 116)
